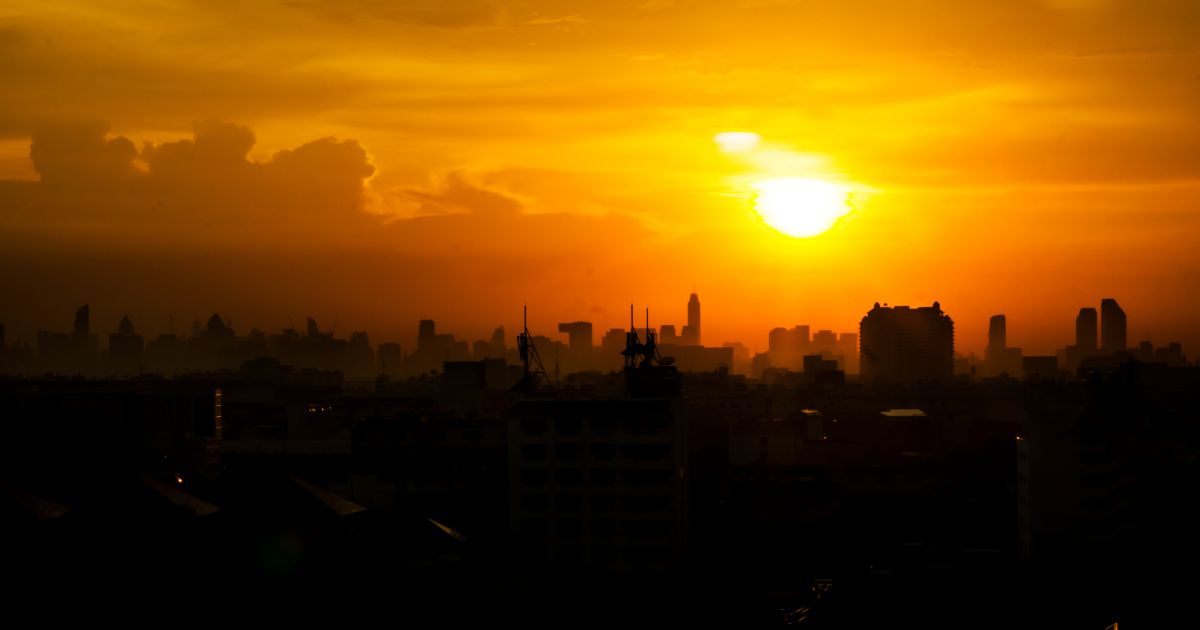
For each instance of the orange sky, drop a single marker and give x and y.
(1026, 157)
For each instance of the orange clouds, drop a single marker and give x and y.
(196, 182)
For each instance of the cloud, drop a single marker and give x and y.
(458, 195)
(207, 179)
(459, 14)
(81, 154)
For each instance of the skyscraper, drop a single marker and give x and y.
(82, 324)
(691, 332)
(902, 344)
(125, 348)
(999, 359)
(997, 332)
(1086, 332)
(1112, 327)
(579, 336)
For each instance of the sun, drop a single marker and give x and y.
(800, 207)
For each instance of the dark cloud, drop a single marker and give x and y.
(202, 180)
(81, 154)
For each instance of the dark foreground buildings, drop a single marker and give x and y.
(651, 495)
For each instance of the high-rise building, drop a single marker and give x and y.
(848, 348)
(580, 348)
(599, 485)
(125, 348)
(496, 343)
(426, 331)
(691, 332)
(1086, 327)
(998, 358)
(1112, 327)
(997, 332)
(82, 323)
(824, 342)
(579, 336)
(902, 344)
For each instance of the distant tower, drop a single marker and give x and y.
(82, 325)
(497, 341)
(1112, 327)
(997, 333)
(1086, 331)
(579, 336)
(426, 334)
(691, 332)
(125, 327)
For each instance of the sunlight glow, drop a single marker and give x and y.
(800, 207)
(737, 141)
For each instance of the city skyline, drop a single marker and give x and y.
(662, 313)
(457, 159)
(892, 343)
(405, 333)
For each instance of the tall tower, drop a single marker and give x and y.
(1086, 331)
(691, 332)
(82, 324)
(1112, 327)
(997, 333)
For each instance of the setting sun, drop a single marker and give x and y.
(800, 207)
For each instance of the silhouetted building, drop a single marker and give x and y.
(905, 345)
(1112, 327)
(1039, 367)
(759, 364)
(497, 343)
(125, 348)
(580, 351)
(1171, 355)
(611, 346)
(433, 349)
(82, 328)
(998, 358)
(667, 334)
(391, 359)
(165, 354)
(824, 342)
(821, 371)
(579, 336)
(741, 357)
(788, 347)
(690, 336)
(848, 350)
(997, 332)
(599, 486)
(699, 358)
(1086, 332)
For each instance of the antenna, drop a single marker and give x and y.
(531, 361)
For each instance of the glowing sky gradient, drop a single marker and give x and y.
(1026, 157)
